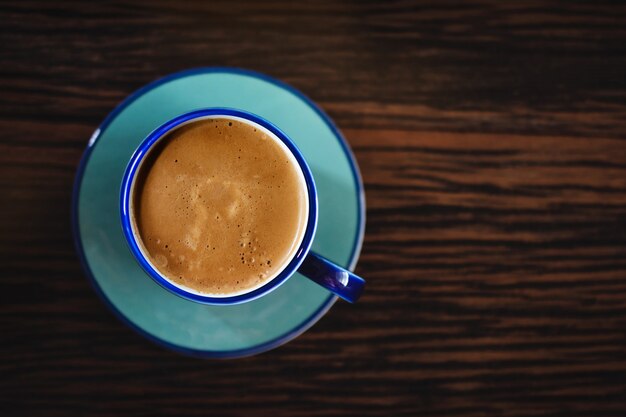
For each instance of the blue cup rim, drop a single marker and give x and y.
(126, 191)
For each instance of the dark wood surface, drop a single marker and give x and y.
(492, 141)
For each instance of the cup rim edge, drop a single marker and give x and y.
(127, 182)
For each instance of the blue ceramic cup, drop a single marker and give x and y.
(334, 278)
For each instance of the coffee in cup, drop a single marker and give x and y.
(220, 206)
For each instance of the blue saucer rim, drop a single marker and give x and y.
(263, 347)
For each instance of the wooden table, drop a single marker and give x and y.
(492, 143)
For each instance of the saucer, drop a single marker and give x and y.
(171, 321)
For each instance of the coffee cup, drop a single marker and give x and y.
(219, 206)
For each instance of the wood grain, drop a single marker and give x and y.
(492, 141)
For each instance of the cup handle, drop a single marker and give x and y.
(334, 278)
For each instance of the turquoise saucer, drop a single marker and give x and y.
(185, 326)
